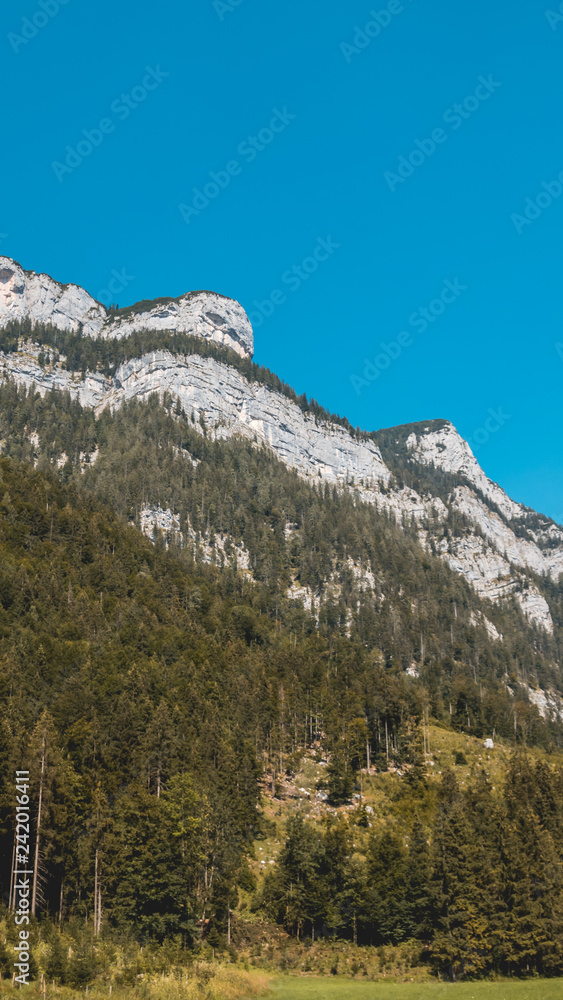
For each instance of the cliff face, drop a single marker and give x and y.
(501, 547)
(509, 542)
(226, 402)
(27, 295)
(37, 297)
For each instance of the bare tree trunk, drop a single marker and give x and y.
(12, 898)
(38, 831)
(61, 903)
(368, 755)
(386, 741)
(228, 925)
(96, 895)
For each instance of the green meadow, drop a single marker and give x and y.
(335, 988)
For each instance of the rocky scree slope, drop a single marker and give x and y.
(424, 474)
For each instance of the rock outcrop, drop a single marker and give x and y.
(25, 295)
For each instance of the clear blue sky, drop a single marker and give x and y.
(360, 101)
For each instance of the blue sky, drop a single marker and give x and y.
(337, 100)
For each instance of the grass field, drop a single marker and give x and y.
(335, 988)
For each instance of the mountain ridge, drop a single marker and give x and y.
(423, 473)
(27, 295)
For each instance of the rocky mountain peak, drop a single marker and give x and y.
(26, 295)
(37, 297)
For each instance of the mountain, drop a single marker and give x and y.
(195, 353)
(235, 630)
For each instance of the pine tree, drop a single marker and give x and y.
(461, 941)
(533, 879)
(418, 884)
(388, 886)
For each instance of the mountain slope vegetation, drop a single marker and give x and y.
(416, 614)
(162, 689)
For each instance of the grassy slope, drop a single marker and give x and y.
(382, 791)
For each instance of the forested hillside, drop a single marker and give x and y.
(150, 695)
(312, 542)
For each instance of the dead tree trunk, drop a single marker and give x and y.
(12, 897)
(96, 895)
(38, 829)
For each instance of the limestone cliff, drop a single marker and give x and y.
(503, 549)
(25, 295)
